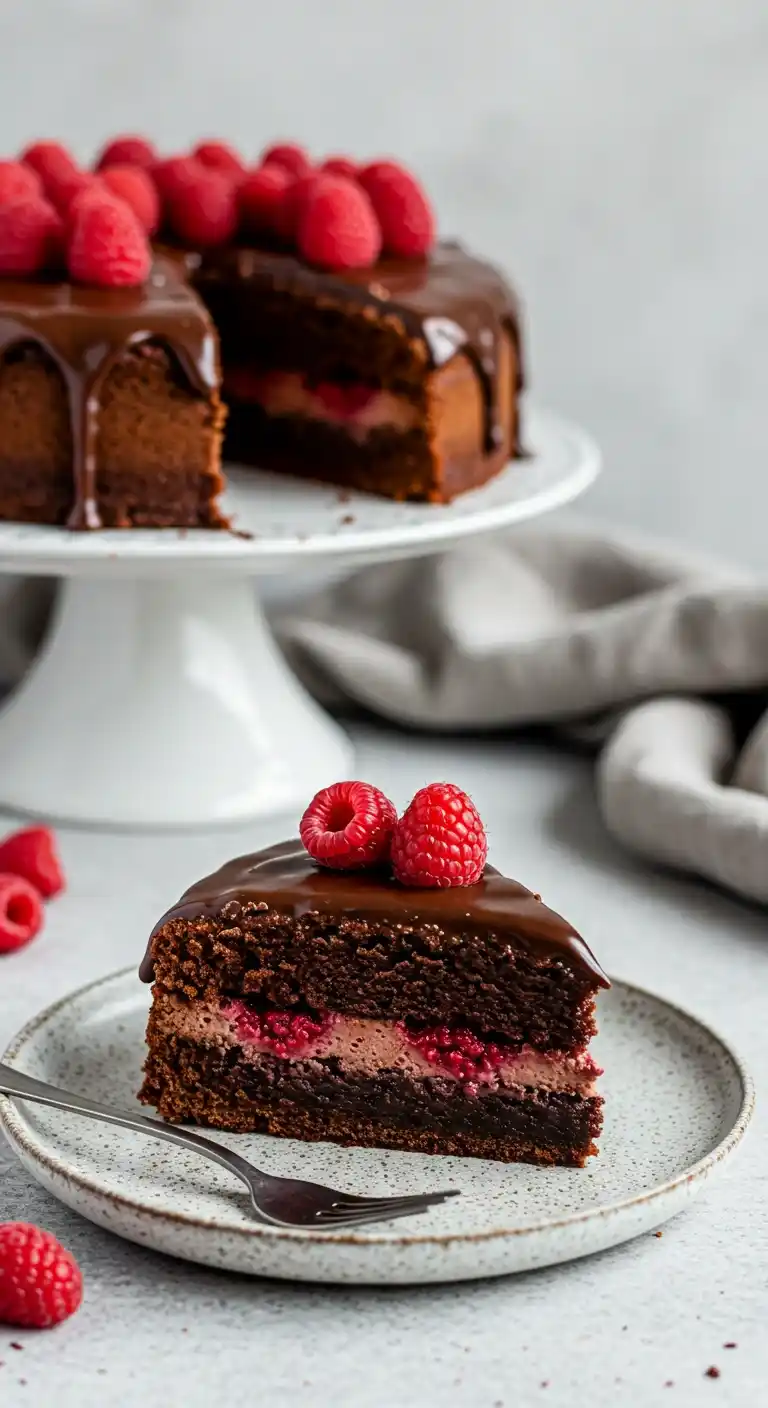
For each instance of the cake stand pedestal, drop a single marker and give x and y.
(160, 698)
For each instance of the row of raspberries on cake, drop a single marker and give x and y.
(439, 841)
(59, 220)
(97, 225)
(30, 872)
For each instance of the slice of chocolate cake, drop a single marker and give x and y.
(318, 1004)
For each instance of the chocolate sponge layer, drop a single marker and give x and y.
(349, 965)
(158, 443)
(317, 1100)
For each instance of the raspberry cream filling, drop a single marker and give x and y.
(354, 407)
(365, 1046)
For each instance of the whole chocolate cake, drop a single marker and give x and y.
(358, 1006)
(346, 342)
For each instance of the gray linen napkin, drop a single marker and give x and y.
(628, 643)
(657, 658)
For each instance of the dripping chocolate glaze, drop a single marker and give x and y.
(451, 302)
(285, 878)
(86, 330)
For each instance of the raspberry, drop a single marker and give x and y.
(202, 209)
(21, 912)
(172, 173)
(345, 400)
(221, 156)
(284, 1033)
(63, 189)
(457, 1050)
(127, 151)
(40, 1282)
(440, 840)
(337, 227)
(339, 166)
(138, 190)
(32, 854)
(287, 154)
(87, 196)
(18, 181)
(294, 203)
(403, 211)
(49, 160)
(249, 384)
(348, 826)
(107, 245)
(261, 196)
(31, 235)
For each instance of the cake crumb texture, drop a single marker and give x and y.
(157, 443)
(191, 1082)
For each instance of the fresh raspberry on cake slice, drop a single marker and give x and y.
(377, 983)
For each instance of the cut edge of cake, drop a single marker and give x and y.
(402, 380)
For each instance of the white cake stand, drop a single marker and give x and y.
(160, 698)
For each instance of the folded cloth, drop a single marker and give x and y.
(656, 656)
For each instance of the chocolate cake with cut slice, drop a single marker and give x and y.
(322, 1004)
(392, 366)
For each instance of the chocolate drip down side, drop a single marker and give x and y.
(85, 331)
(285, 880)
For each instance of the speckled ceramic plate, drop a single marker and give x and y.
(677, 1103)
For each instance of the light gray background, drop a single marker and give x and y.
(611, 155)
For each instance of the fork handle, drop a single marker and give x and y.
(22, 1086)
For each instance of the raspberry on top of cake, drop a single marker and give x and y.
(377, 983)
(355, 347)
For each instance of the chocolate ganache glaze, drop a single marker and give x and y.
(286, 880)
(451, 302)
(86, 330)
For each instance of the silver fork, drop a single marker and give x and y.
(282, 1202)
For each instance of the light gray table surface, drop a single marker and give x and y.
(612, 1329)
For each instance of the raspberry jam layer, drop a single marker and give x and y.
(353, 406)
(283, 1033)
(366, 1046)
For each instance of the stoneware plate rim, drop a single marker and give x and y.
(12, 1121)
